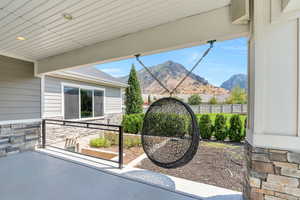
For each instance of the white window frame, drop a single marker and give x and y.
(85, 87)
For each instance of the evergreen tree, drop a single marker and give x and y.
(134, 100)
(237, 96)
(195, 99)
(213, 100)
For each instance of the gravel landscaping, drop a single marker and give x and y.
(219, 164)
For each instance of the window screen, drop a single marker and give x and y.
(71, 96)
(98, 103)
(86, 103)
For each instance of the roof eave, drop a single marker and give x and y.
(87, 78)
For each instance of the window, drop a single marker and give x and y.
(86, 100)
(71, 96)
(98, 103)
(83, 102)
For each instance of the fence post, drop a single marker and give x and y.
(121, 147)
(43, 133)
(231, 108)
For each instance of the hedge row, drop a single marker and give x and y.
(162, 124)
(221, 126)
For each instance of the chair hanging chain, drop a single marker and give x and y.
(177, 86)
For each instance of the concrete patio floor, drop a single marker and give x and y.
(53, 174)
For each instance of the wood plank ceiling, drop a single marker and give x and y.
(47, 32)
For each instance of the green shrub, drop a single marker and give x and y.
(245, 126)
(132, 123)
(195, 99)
(112, 137)
(235, 130)
(163, 124)
(100, 142)
(132, 142)
(128, 140)
(205, 126)
(213, 100)
(220, 127)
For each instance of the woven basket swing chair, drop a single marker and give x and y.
(170, 133)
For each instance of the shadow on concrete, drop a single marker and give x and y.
(152, 178)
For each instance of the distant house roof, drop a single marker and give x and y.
(90, 74)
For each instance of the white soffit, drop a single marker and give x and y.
(290, 5)
(47, 33)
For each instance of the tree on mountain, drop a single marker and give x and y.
(133, 99)
(237, 96)
(194, 99)
(213, 100)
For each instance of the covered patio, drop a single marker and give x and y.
(42, 37)
(49, 174)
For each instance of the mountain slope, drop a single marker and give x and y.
(240, 80)
(170, 74)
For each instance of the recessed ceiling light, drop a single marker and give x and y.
(67, 16)
(20, 38)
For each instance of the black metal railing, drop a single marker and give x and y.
(79, 124)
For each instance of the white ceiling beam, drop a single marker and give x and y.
(240, 12)
(290, 5)
(186, 32)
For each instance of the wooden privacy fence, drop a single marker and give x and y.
(220, 108)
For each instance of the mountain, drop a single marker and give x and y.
(240, 80)
(170, 73)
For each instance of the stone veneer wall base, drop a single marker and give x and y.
(15, 138)
(271, 174)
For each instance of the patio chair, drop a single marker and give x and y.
(71, 144)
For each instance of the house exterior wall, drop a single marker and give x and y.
(20, 91)
(273, 148)
(53, 99)
(274, 77)
(20, 106)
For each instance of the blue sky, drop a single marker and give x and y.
(226, 59)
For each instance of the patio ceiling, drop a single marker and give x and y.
(46, 32)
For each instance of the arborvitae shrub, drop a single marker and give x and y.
(220, 127)
(235, 130)
(132, 123)
(133, 101)
(205, 127)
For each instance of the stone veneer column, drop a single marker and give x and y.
(15, 138)
(271, 174)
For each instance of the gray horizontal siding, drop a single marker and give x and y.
(20, 91)
(53, 97)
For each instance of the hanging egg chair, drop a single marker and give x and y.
(170, 134)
